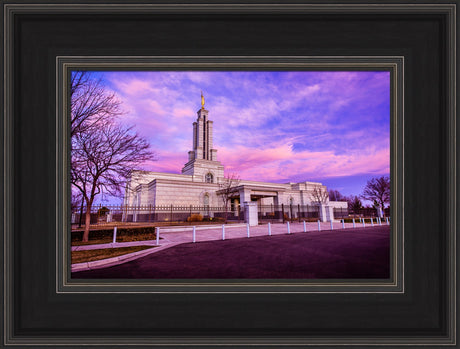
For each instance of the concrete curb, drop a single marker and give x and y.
(108, 262)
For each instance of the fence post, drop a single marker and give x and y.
(282, 211)
(319, 225)
(380, 221)
(332, 227)
(372, 221)
(304, 227)
(354, 225)
(364, 224)
(343, 223)
(247, 229)
(288, 228)
(158, 235)
(387, 220)
(194, 234)
(223, 232)
(114, 234)
(269, 229)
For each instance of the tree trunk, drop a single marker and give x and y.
(81, 211)
(225, 215)
(87, 223)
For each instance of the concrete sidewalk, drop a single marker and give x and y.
(170, 237)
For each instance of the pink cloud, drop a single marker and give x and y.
(281, 163)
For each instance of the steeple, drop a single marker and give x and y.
(202, 136)
(203, 153)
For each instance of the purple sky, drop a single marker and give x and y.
(331, 127)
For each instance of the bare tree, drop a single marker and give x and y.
(90, 102)
(226, 190)
(335, 195)
(319, 195)
(378, 189)
(354, 204)
(102, 161)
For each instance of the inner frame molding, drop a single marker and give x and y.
(393, 64)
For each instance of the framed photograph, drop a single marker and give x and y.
(202, 203)
(390, 118)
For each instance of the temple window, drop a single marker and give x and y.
(209, 178)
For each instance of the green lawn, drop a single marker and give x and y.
(95, 255)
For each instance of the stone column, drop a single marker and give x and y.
(195, 145)
(322, 212)
(199, 141)
(330, 211)
(250, 213)
(245, 195)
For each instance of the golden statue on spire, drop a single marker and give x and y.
(202, 100)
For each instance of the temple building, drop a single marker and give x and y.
(198, 184)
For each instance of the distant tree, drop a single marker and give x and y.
(335, 195)
(103, 159)
(90, 102)
(319, 195)
(355, 204)
(378, 189)
(226, 190)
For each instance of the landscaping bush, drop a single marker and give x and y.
(195, 217)
(102, 211)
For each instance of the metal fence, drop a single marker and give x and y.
(167, 214)
(367, 212)
(282, 213)
(170, 214)
(340, 212)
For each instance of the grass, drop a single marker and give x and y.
(95, 255)
(120, 238)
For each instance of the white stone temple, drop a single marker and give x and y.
(198, 185)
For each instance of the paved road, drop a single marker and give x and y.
(347, 253)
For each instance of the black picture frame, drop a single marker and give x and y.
(40, 312)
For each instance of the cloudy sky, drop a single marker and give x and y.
(331, 127)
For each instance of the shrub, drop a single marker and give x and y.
(102, 211)
(195, 217)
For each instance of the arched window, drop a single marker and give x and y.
(209, 178)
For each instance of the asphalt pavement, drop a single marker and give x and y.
(288, 252)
